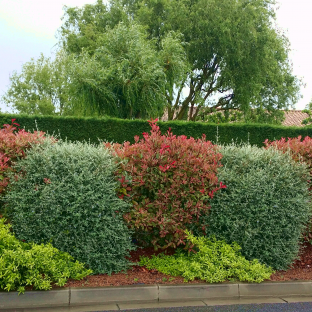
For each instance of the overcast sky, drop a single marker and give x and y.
(28, 27)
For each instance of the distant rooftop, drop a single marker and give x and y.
(292, 118)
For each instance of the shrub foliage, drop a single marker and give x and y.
(68, 197)
(13, 144)
(214, 262)
(173, 180)
(300, 151)
(23, 264)
(265, 205)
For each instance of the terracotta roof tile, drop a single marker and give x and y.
(294, 118)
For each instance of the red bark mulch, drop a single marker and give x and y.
(302, 270)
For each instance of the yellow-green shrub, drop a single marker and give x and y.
(215, 261)
(23, 264)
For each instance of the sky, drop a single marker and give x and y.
(28, 28)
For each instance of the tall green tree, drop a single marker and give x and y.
(137, 58)
(125, 73)
(236, 58)
(126, 76)
(41, 88)
(117, 72)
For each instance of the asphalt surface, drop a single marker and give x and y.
(267, 307)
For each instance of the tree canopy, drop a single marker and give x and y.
(41, 87)
(137, 58)
(126, 76)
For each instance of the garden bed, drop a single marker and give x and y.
(302, 270)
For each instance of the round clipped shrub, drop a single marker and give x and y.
(301, 151)
(67, 196)
(23, 264)
(265, 205)
(173, 180)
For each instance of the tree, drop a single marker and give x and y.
(136, 71)
(235, 58)
(41, 88)
(308, 110)
(256, 115)
(135, 58)
(125, 75)
(121, 74)
(236, 54)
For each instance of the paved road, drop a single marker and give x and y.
(267, 307)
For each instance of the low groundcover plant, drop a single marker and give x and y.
(215, 261)
(23, 264)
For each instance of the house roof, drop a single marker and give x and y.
(294, 118)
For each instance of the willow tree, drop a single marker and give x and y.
(126, 76)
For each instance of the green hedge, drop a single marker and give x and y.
(120, 130)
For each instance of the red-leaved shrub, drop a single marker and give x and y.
(13, 144)
(300, 150)
(173, 178)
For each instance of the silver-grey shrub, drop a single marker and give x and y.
(67, 196)
(265, 205)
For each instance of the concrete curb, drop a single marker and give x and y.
(113, 294)
(151, 293)
(34, 299)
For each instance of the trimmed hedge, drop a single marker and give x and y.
(120, 130)
(265, 206)
(66, 194)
